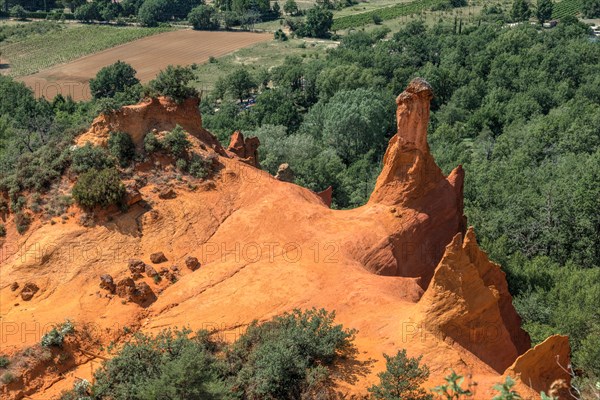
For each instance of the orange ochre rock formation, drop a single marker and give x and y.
(402, 269)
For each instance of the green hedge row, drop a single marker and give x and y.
(45, 15)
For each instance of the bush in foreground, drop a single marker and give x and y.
(289, 357)
(57, 335)
(402, 379)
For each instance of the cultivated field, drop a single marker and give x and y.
(147, 56)
(36, 52)
(260, 56)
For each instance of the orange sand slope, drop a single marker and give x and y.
(148, 56)
(403, 269)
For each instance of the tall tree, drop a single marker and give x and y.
(520, 10)
(544, 10)
(590, 8)
(113, 79)
(290, 7)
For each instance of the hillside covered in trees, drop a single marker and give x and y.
(519, 108)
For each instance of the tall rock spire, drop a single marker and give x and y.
(409, 171)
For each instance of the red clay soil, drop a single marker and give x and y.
(402, 269)
(148, 56)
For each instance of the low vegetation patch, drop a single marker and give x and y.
(56, 336)
(291, 357)
(383, 14)
(99, 188)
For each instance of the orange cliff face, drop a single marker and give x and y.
(248, 247)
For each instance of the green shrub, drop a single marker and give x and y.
(91, 157)
(81, 391)
(18, 12)
(121, 147)
(22, 222)
(99, 188)
(56, 336)
(4, 361)
(402, 379)
(3, 205)
(505, 389)
(2, 230)
(280, 35)
(181, 164)
(168, 366)
(152, 12)
(19, 204)
(289, 356)
(7, 378)
(151, 143)
(198, 166)
(204, 17)
(452, 389)
(176, 142)
(113, 79)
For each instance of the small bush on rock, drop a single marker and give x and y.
(91, 157)
(22, 222)
(57, 335)
(99, 188)
(198, 167)
(151, 143)
(402, 379)
(177, 142)
(121, 147)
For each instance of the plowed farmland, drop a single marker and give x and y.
(148, 56)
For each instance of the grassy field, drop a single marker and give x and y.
(393, 13)
(262, 55)
(36, 52)
(361, 7)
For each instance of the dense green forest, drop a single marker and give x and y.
(519, 108)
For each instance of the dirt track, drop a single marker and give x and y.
(147, 56)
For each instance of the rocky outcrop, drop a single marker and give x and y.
(192, 263)
(107, 283)
(467, 302)
(150, 271)
(158, 257)
(409, 171)
(244, 148)
(285, 173)
(161, 114)
(136, 266)
(132, 193)
(269, 247)
(139, 293)
(29, 290)
(167, 194)
(411, 185)
(544, 367)
(327, 196)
